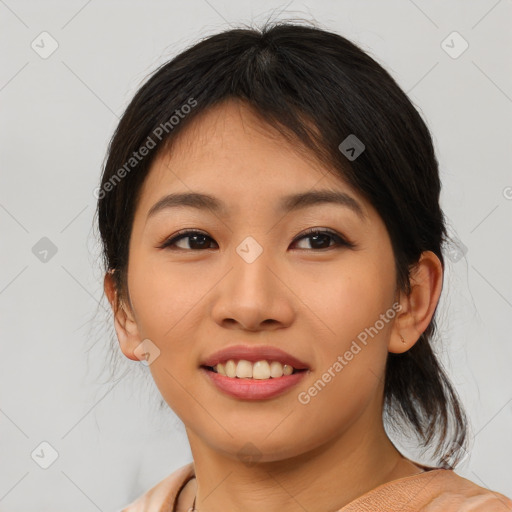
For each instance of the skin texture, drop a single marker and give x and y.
(309, 302)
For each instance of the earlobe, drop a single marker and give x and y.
(417, 308)
(124, 323)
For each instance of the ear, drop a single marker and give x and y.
(124, 320)
(417, 308)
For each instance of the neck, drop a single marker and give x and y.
(325, 478)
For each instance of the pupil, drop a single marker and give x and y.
(194, 238)
(315, 238)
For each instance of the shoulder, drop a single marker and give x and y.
(161, 496)
(439, 490)
(454, 492)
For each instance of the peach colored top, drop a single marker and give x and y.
(436, 488)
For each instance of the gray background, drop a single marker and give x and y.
(58, 114)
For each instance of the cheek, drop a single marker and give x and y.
(346, 299)
(167, 305)
(355, 306)
(165, 296)
(351, 355)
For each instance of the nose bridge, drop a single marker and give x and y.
(252, 293)
(251, 271)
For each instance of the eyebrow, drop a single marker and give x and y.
(286, 204)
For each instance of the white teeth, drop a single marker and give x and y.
(230, 368)
(244, 369)
(287, 370)
(260, 370)
(276, 369)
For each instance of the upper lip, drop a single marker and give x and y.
(254, 354)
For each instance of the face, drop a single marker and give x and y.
(251, 275)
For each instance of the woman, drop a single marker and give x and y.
(269, 213)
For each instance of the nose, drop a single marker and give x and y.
(254, 295)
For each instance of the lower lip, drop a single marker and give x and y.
(254, 389)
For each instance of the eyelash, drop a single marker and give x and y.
(186, 233)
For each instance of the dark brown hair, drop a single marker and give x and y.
(316, 88)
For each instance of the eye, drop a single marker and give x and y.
(321, 238)
(197, 240)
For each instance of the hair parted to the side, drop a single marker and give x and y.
(316, 88)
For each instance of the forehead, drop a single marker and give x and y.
(229, 151)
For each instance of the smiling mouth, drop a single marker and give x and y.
(260, 370)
